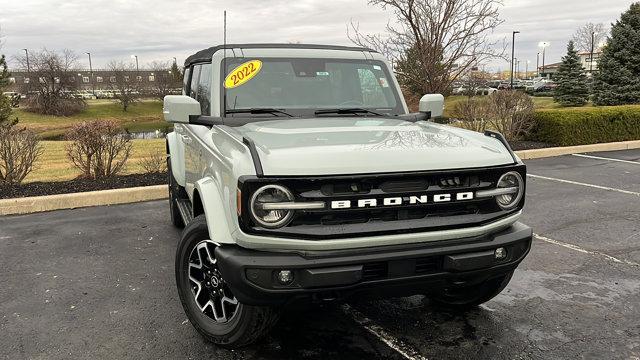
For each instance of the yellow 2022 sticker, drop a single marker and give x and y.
(242, 74)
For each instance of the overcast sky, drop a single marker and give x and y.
(161, 29)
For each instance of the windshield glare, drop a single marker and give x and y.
(312, 84)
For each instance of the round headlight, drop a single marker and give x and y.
(271, 194)
(511, 180)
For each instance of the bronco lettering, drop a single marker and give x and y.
(397, 200)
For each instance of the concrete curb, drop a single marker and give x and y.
(566, 150)
(34, 204)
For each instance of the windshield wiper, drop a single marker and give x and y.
(271, 111)
(354, 111)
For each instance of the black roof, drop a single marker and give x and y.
(206, 54)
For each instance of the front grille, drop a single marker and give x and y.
(405, 217)
(428, 265)
(374, 271)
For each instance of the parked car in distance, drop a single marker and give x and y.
(14, 98)
(464, 90)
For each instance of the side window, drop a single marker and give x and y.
(185, 81)
(204, 89)
(193, 87)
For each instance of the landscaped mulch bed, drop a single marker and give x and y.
(81, 185)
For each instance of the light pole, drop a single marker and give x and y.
(593, 39)
(93, 85)
(137, 70)
(175, 61)
(538, 65)
(513, 40)
(28, 70)
(543, 45)
(526, 69)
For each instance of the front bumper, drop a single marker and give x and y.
(400, 270)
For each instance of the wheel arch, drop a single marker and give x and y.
(177, 167)
(197, 206)
(208, 200)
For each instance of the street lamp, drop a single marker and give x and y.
(93, 85)
(543, 45)
(593, 39)
(137, 68)
(136, 57)
(28, 70)
(526, 69)
(538, 65)
(513, 40)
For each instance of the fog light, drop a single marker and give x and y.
(285, 277)
(501, 253)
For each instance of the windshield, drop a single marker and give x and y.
(302, 86)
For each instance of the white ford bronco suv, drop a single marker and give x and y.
(298, 173)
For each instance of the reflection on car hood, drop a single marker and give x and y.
(357, 145)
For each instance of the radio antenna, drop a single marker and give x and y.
(224, 66)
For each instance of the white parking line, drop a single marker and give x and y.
(584, 184)
(606, 158)
(579, 249)
(376, 330)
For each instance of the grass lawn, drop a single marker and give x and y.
(53, 164)
(142, 116)
(540, 102)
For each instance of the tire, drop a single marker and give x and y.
(466, 297)
(175, 192)
(240, 324)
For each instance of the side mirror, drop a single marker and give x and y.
(433, 103)
(178, 108)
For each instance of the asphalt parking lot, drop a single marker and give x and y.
(99, 283)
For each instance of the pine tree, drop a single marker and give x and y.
(176, 73)
(572, 89)
(618, 79)
(5, 102)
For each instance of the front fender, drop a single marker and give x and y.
(176, 156)
(216, 213)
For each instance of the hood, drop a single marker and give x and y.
(360, 145)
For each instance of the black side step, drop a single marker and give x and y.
(184, 206)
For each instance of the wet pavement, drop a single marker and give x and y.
(99, 283)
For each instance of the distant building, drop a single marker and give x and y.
(19, 80)
(585, 60)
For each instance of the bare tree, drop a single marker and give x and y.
(473, 113)
(164, 81)
(53, 78)
(122, 78)
(19, 151)
(510, 112)
(98, 148)
(582, 37)
(155, 163)
(435, 41)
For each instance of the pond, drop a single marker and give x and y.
(155, 134)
